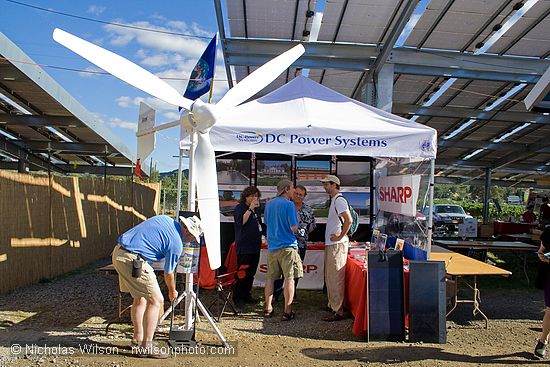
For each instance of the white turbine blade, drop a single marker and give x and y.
(122, 69)
(260, 78)
(207, 196)
(146, 121)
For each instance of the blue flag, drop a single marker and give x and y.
(203, 73)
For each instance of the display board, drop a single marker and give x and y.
(355, 186)
(235, 174)
(233, 177)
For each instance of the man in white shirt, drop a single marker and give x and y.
(336, 247)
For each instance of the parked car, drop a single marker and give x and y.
(447, 217)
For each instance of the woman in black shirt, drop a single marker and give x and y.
(542, 342)
(248, 238)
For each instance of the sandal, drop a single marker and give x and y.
(289, 316)
(268, 314)
(333, 317)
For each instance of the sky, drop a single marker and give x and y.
(112, 101)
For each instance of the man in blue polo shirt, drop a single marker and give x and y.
(283, 259)
(155, 239)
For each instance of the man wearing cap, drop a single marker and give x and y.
(336, 247)
(283, 259)
(157, 238)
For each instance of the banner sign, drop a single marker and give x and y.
(314, 270)
(399, 194)
(318, 140)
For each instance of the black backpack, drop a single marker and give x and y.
(354, 217)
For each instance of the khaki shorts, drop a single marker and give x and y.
(285, 262)
(145, 286)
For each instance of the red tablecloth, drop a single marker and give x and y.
(356, 298)
(509, 227)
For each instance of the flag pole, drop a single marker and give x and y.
(212, 82)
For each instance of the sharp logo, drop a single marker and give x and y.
(250, 137)
(309, 268)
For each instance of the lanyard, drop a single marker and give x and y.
(257, 221)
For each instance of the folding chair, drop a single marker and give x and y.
(224, 290)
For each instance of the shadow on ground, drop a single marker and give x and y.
(398, 354)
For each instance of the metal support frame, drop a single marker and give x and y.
(486, 195)
(431, 202)
(470, 113)
(379, 65)
(46, 84)
(360, 57)
(379, 90)
(476, 299)
(221, 29)
(65, 146)
(525, 168)
(13, 149)
(40, 120)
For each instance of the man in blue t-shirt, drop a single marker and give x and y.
(283, 259)
(157, 238)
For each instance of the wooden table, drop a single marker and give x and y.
(457, 266)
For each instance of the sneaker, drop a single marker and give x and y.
(540, 349)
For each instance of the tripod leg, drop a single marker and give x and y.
(213, 324)
(172, 308)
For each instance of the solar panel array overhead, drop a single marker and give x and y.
(460, 66)
(50, 129)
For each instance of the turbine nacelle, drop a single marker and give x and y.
(203, 116)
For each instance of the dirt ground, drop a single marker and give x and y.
(68, 316)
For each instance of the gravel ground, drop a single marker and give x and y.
(69, 314)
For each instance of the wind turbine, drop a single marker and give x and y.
(202, 116)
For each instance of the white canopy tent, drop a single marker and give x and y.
(305, 117)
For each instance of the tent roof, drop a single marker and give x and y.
(317, 120)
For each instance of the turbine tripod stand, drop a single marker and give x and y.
(185, 336)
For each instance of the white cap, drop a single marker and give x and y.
(193, 225)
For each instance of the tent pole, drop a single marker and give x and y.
(372, 196)
(430, 215)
